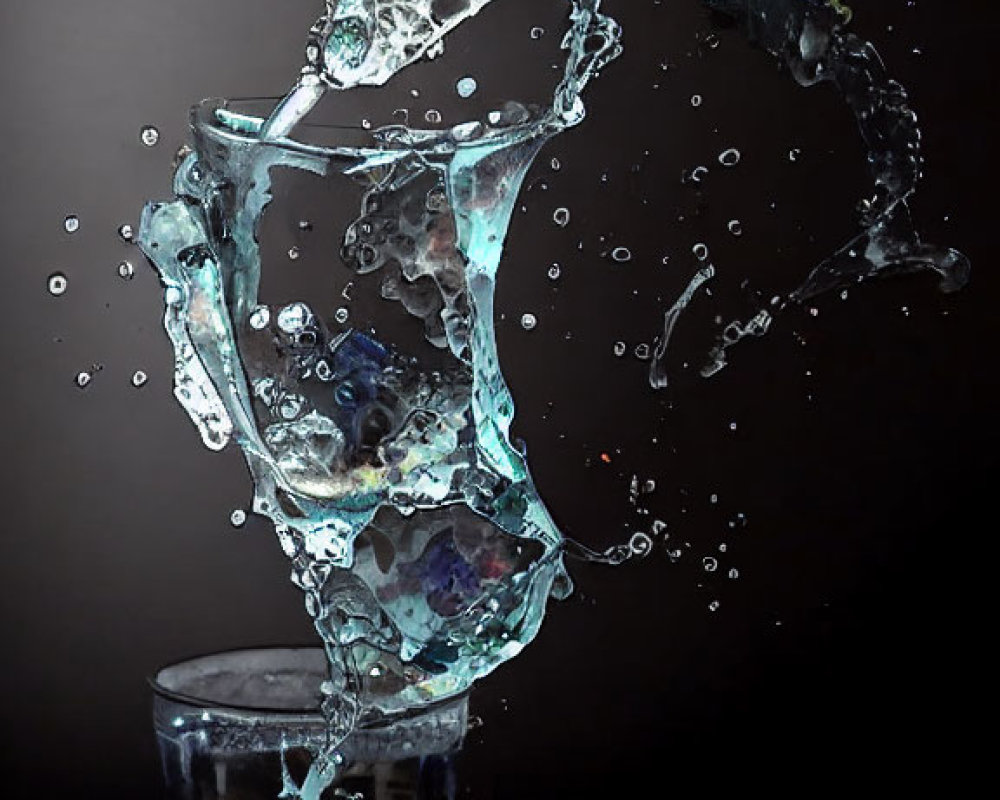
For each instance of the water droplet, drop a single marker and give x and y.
(126, 271)
(713, 499)
(649, 486)
(139, 379)
(83, 379)
(305, 225)
(238, 518)
(126, 232)
(794, 153)
(734, 574)
(735, 227)
(621, 254)
(555, 164)
(466, 87)
(537, 33)
(696, 100)
(561, 217)
(554, 271)
(341, 315)
(709, 564)
(698, 173)
(58, 283)
(730, 157)
(640, 544)
(528, 321)
(620, 348)
(71, 223)
(294, 253)
(149, 136)
(732, 426)
(433, 116)
(700, 251)
(260, 318)
(642, 351)
(714, 605)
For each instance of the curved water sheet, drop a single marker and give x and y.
(424, 551)
(811, 38)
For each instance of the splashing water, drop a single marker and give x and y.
(415, 531)
(414, 528)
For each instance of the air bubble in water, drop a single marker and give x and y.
(341, 315)
(700, 251)
(642, 351)
(734, 574)
(260, 318)
(714, 605)
(696, 100)
(735, 227)
(537, 33)
(554, 271)
(126, 271)
(149, 136)
(621, 254)
(139, 379)
(561, 217)
(528, 321)
(58, 284)
(730, 157)
(433, 116)
(620, 348)
(794, 153)
(83, 379)
(126, 232)
(238, 518)
(466, 87)
(71, 223)
(294, 253)
(640, 544)
(709, 564)
(555, 164)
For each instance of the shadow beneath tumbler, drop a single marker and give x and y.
(238, 725)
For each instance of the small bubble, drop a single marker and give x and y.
(700, 251)
(528, 321)
(126, 232)
(433, 116)
(83, 379)
(260, 318)
(730, 157)
(139, 379)
(709, 564)
(341, 315)
(555, 164)
(621, 254)
(537, 33)
(126, 271)
(794, 153)
(58, 283)
(71, 223)
(649, 486)
(713, 499)
(294, 253)
(238, 518)
(640, 544)
(561, 217)
(732, 426)
(714, 605)
(366, 124)
(620, 348)
(554, 271)
(735, 227)
(149, 136)
(642, 351)
(734, 574)
(466, 87)
(305, 225)
(696, 100)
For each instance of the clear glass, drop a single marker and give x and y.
(247, 724)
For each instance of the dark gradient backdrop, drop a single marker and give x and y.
(851, 644)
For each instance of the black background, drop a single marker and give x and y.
(853, 643)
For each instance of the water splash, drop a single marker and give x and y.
(412, 523)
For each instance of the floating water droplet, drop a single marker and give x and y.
(260, 318)
(341, 315)
(554, 271)
(621, 254)
(83, 379)
(149, 136)
(700, 251)
(537, 33)
(72, 223)
(238, 518)
(620, 348)
(709, 564)
(466, 87)
(730, 157)
(126, 232)
(528, 321)
(58, 283)
(735, 227)
(696, 100)
(433, 116)
(561, 217)
(126, 271)
(294, 253)
(139, 379)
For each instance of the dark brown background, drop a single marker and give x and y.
(853, 640)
